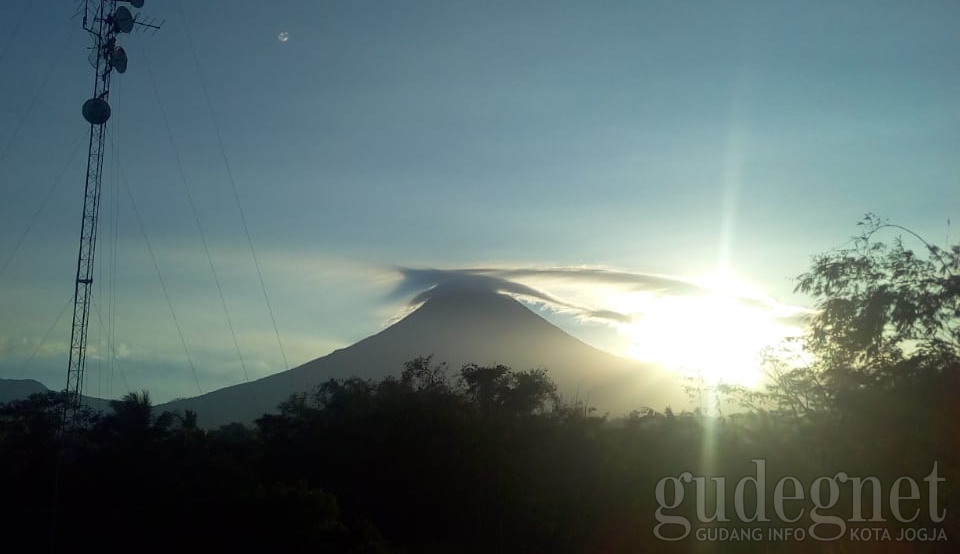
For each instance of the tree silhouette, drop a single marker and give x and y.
(132, 421)
(887, 315)
(886, 331)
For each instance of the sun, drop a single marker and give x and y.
(717, 335)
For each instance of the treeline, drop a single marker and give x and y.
(489, 460)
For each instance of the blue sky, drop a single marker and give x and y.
(658, 138)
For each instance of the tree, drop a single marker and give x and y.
(885, 335)
(133, 421)
(39, 417)
(530, 392)
(422, 374)
(515, 392)
(887, 316)
(485, 385)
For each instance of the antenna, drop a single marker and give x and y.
(105, 21)
(118, 59)
(122, 20)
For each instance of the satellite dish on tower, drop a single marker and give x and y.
(123, 20)
(96, 111)
(118, 59)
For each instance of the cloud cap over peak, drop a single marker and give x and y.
(583, 291)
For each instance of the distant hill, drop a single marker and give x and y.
(457, 327)
(15, 389)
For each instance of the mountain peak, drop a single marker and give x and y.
(464, 324)
(451, 301)
(455, 325)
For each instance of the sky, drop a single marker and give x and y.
(679, 140)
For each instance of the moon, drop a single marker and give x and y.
(283, 36)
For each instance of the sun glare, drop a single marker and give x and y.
(717, 335)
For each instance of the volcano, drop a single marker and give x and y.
(456, 328)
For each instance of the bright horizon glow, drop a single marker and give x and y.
(715, 336)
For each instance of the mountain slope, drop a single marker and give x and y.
(15, 389)
(457, 328)
(18, 389)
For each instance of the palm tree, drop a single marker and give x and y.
(133, 420)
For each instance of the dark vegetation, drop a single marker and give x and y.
(492, 460)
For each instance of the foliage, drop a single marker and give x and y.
(886, 313)
(886, 331)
